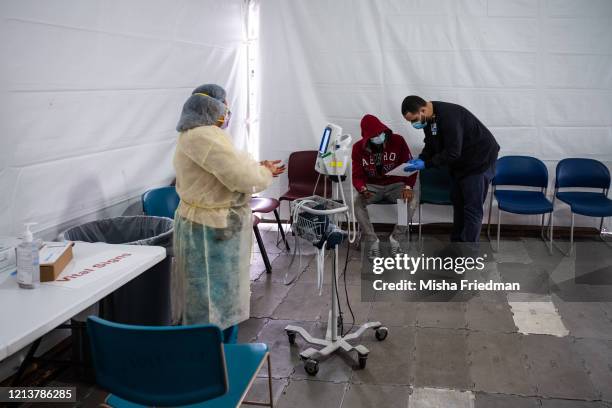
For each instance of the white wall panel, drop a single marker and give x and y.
(92, 92)
(537, 72)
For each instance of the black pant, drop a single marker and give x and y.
(468, 196)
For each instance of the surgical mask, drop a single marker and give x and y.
(380, 139)
(419, 124)
(226, 119)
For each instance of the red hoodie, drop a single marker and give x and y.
(395, 152)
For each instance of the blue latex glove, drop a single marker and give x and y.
(414, 165)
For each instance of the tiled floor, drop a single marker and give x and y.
(484, 352)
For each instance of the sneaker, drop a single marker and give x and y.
(374, 250)
(395, 247)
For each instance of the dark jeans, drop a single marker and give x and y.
(468, 196)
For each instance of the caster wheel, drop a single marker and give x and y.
(381, 333)
(291, 336)
(311, 366)
(363, 358)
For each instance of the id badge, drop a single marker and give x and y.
(434, 128)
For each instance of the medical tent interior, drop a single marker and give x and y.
(91, 93)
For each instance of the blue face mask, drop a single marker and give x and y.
(380, 139)
(419, 124)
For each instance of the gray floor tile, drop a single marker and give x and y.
(440, 397)
(556, 369)
(484, 400)
(374, 396)
(284, 263)
(266, 296)
(441, 359)
(490, 316)
(361, 310)
(304, 303)
(248, 330)
(390, 361)
(496, 365)
(557, 403)
(284, 357)
(447, 315)
(259, 391)
(585, 319)
(394, 313)
(319, 394)
(533, 278)
(597, 357)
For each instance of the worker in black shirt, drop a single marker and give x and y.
(454, 137)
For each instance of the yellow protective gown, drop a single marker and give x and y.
(213, 226)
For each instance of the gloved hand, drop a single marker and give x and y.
(414, 165)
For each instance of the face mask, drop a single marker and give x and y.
(419, 124)
(380, 139)
(226, 119)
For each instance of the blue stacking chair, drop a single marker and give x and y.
(435, 186)
(523, 171)
(160, 202)
(583, 173)
(144, 366)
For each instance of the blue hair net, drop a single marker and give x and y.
(203, 108)
(212, 90)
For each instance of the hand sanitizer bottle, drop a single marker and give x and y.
(28, 267)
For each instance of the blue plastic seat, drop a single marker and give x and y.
(160, 202)
(587, 203)
(520, 171)
(188, 366)
(523, 202)
(587, 174)
(435, 187)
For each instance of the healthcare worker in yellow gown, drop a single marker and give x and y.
(213, 222)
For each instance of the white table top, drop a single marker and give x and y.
(27, 314)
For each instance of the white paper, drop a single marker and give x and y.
(399, 171)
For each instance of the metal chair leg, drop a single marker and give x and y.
(498, 225)
(571, 250)
(420, 226)
(280, 227)
(262, 249)
(489, 221)
(270, 394)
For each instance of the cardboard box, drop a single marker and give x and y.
(53, 257)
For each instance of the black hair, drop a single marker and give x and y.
(412, 104)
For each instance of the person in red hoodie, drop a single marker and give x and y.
(378, 152)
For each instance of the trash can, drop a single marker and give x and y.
(145, 300)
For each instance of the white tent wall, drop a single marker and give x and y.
(92, 92)
(537, 73)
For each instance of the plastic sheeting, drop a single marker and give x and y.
(91, 93)
(537, 73)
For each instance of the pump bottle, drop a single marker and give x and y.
(28, 267)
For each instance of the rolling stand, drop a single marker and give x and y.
(312, 222)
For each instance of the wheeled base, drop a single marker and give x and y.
(312, 355)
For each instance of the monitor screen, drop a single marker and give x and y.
(325, 140)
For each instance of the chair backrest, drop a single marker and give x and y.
(160, 202)
(435, 184)
(158, 365)
(520, 171)
(302, 174)
(586, 173)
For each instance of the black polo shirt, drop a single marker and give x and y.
(461, 141)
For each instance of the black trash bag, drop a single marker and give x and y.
(145, 300)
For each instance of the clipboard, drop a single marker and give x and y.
(399, 171)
